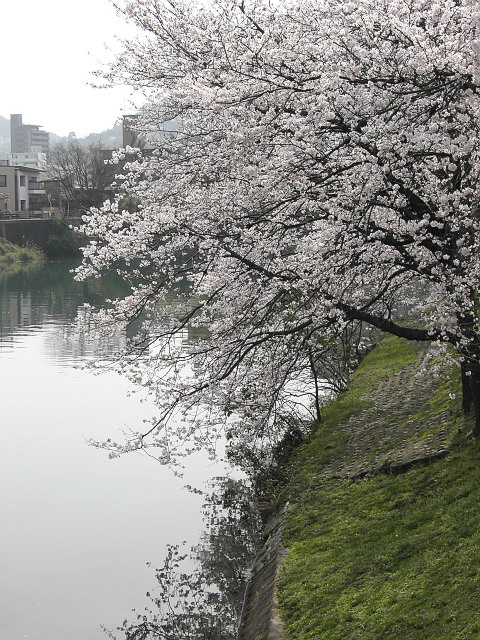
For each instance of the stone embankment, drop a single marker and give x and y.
(393, 433)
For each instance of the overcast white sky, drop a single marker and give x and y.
(49, 49)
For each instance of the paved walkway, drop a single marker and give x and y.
(392, 434)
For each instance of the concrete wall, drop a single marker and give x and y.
(260, 620)
(23, 232)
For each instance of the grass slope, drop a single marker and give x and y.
(386, 556)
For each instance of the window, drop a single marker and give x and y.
(3, 181)
(22, 181)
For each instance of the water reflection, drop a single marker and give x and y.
(77, 529)
(50, 296)
(205, 603)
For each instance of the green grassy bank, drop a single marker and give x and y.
(14, 259)
(385, 556)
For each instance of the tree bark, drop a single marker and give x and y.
(475, 391)
(410, 333)
(466, 389)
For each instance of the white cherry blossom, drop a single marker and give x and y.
(325, 170)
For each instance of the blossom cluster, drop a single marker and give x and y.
(325, 170)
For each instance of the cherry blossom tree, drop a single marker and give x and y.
(324, 172)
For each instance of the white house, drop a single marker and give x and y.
(20, 191)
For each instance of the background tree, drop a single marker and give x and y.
(325, 171)
(82, 173)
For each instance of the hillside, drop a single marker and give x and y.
(110, 138)
(383, 516)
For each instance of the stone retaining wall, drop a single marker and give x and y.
(260, 620)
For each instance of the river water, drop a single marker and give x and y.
(77, 529)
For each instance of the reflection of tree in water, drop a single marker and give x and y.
(206, 603)
(51, 295)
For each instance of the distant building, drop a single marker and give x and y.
(131, 136)
(21, 192)
(33, 159)
(26, 138)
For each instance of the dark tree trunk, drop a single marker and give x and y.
(467, 396)
(475, 390)
(470, 365)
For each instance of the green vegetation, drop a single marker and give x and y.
(388, 357)
(63, 242)
(14, 259)
(385, 556)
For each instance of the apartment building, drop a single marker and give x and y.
(27, 138)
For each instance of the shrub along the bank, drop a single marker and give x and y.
(63, 242)
(14, 259)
